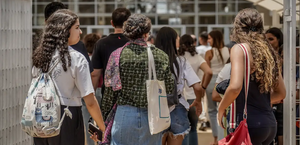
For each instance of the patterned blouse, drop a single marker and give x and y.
(134, 73)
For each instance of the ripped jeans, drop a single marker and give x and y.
(180, 124)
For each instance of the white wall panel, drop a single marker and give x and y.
(15, 68)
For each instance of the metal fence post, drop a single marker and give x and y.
(289, 31)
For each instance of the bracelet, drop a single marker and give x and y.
(203, 87)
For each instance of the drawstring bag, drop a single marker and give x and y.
(241, 134)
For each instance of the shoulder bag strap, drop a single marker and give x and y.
(151, 65)
(232, 121)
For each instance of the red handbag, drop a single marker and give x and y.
(241, 134)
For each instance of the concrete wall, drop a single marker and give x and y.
(15, 68)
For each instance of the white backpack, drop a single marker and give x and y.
(42, 113)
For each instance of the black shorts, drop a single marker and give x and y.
(71, 133)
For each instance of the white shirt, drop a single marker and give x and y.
(75, 83)
(195, 61)
(224, 73)
(201, 50)
(186, 76)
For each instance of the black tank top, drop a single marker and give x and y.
(260, 113)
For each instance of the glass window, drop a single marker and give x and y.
(226, 19)
(130, 6)
(190, 30)
(104, 21)
(207, 7)
(40, 8)
(40, 20)
(161, 8)
(152, 18)
(70, 6)
(86, 0)
(226, 7)
(163, 20)
(207, 19)
(202, 29)
(87, 20)
(185, 8)
(105, 8)
(245, 5)
(86, 8)
(146, 8)
(33, 7)
(187, 19)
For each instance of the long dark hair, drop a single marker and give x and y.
(166, 41)
(218, 41)
(186, 44)
(278, 34)
(55, 37)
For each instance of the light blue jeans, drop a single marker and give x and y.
(86, 115)
(192, 137)
(212, 106)
(131, 127)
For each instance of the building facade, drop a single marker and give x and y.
(186, 16)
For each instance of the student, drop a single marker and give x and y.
(216, 59)
(79, 46)
(131, 124)
(188, 51)
(167, 40)
(89, 41)
(204, 46)
(275, 38)
(71, 76)
(248, 30)
(105, 46)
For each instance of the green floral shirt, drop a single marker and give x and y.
(133, 74)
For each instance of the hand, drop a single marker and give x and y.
(94, 137)
(198, 106)
(221, 113)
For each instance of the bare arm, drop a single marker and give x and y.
(208, 57)
(216, 96)
(94, 109)
(279, 93)
(199, 92)
(236, 78)
(207, 74)
(96, 77)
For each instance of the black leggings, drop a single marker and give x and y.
(262, 136)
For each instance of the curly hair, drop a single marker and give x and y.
(55, 37)
(136, 26)
(187, 44)
(248, 28)
(89, 41)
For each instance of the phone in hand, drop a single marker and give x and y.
(94, 129)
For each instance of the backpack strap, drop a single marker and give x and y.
(57, 60)
(232, 120)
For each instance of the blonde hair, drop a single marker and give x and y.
(248, 28)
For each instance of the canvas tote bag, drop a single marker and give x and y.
(158, 110)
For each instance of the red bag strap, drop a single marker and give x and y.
(232, 121)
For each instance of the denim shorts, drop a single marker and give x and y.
(180, 124)
(131, 127)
